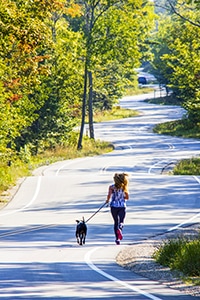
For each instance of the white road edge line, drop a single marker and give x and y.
(197, 179)
(62, 167)
(35, 194)
(189, 220)
(29, 203)
(112, 278)
(184, 223)
(154, 165)
(70, 162)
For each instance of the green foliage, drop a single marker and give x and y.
(24, 36)
(24, 164)
(187, 260)
(43, 48)
(116, 113)
(138, 90)
(167, 100)
(175, 7)
(113, 35)
(40, 77)
(180, 254)
(184, 128)
(177, 55)
(166, 252)
(187, 167)
(120, 47)
(10, 174)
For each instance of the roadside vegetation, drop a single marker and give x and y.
(181, 254)
(166, 100)
(138, 90)
(65, 64)
(23, 164)
(182, 128)
(79, 66)
(20, 167)
(176, 66)
(189, 166)
(116, 113)
(185, 129)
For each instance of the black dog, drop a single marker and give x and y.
(81, 232)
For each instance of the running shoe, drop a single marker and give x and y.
(117, 242)
(119, 234)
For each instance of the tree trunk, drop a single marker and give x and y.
(83, 109)
(90, 105)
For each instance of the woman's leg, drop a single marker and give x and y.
(121, 215)
(114, 213)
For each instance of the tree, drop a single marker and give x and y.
(112, 30)
(62, 91)
(177, 7)
(39, 73)
(179, 53)
(54, 52)
(23, 38)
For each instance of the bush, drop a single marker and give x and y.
(188, 167)
(180, 254)
(188, 259)
(10, 174)
(167, 251)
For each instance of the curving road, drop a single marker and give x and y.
(39, 255)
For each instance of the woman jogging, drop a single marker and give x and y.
(118, 193)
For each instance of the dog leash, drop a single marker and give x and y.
(96, 212)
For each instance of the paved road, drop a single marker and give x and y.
(39, 255)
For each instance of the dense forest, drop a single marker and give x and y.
(62, 60)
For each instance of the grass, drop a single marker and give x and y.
(22, 168)
(138, 91)
(116, 113)
(167, 100)
(10, 174)
(189, 166)
(90, 148)
(182, 128)
(181, 254)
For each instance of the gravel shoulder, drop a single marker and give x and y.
(138, 259)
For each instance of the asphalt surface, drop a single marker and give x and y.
(40, 258)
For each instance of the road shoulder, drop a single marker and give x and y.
(138, 259)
